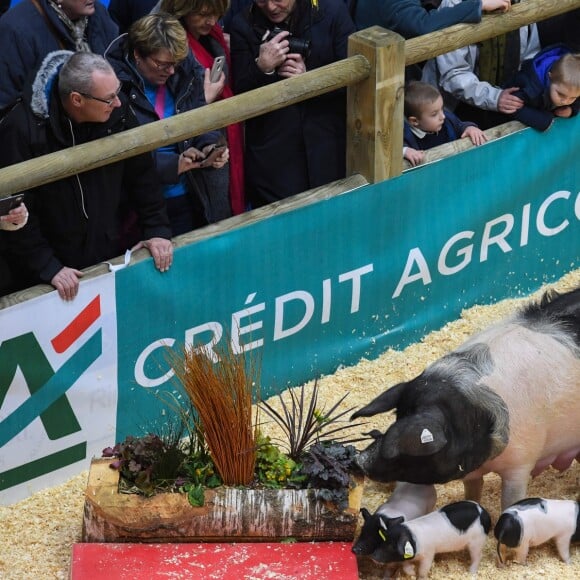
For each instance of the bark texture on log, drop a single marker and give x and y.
(229, 514)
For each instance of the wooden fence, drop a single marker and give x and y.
(374, 76)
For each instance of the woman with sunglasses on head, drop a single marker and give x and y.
(161, 78)
(207, 41)
(304, 145)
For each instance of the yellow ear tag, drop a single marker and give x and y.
(383, 535)
(409, 553)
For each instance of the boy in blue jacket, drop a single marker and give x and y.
(549, 85)
(427, 124)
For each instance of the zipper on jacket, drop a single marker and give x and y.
(76, 174)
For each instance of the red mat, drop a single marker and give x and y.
(244, 561)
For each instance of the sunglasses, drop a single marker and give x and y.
(107, 102)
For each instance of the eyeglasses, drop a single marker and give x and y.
(163, 66)
(107, 102)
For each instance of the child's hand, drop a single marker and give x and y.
(413, 156)
(564, 112)
(476, 135)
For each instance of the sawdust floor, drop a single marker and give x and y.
(36, 534)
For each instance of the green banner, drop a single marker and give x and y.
(348, 277)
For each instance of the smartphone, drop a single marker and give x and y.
(10, 202)
(212, 155)
(217, 68)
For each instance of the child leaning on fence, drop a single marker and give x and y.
(428, 124)
(549, 85)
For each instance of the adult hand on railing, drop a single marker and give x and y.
(495, 5)
(508, 103)
(293, 66)
(66, 282)
(161, 251)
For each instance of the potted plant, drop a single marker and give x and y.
(212, 475)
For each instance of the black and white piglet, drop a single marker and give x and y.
(534, 521)
(408, 500)
(454, 527)
(506, 401)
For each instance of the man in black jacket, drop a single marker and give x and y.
(75, 222)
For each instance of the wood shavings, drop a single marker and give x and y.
(36, 534)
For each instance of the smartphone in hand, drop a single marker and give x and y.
(212, 155)
(10, 202)
(217, 68)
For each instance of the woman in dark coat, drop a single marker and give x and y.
(33, 28)
(161, 78)
(304, 145)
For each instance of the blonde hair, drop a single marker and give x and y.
(159, 31)
(181, 8)
(417, 95)
(566, 71)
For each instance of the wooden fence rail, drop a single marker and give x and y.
(373, 73)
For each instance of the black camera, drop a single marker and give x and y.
(296, 45)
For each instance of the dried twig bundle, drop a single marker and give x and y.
(222, 395)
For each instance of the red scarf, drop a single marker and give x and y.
(234, 132)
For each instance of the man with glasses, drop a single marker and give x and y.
(74, 222)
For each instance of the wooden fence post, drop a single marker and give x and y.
(375, 106)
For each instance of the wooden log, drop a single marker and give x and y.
(100, 152)
(229, 514)
(375, 106)
(431, 45)
(454, 147)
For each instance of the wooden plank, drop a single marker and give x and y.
(460, 145)
(55, 166)
(315, 195)
(375, 106)
(431, 45)
(303, 561)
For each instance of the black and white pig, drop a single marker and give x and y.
(534, 521)
(408, 500)
(457, 526)
(506, 401)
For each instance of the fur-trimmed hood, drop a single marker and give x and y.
(44, 81)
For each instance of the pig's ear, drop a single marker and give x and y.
(384, 402)
(418, 436)
(365, 513)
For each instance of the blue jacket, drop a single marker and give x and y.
(186, 86)
(75, 221)
(534, 83)
(25, 39)
(410, 19)
(452, 130)
(304, 145)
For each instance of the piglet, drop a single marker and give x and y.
(533, 521)
(459, 525)
(408, 500)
